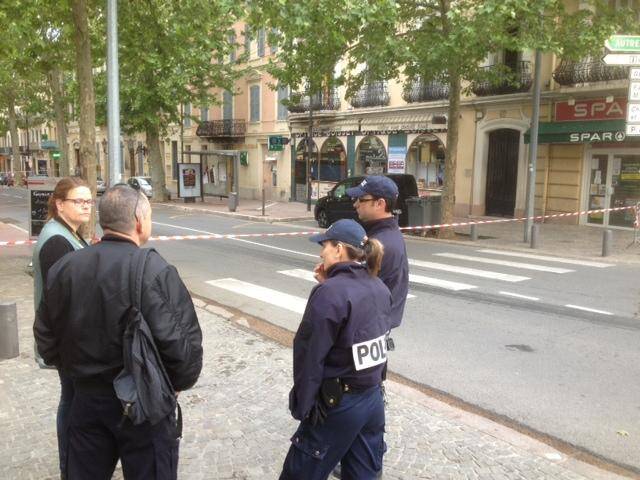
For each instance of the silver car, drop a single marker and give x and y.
(142, 184)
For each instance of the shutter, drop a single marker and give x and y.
(255, 103)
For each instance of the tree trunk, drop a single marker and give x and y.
(16, 164)
(157, 165)
(56, 84)
(451, 155)
(84, 73)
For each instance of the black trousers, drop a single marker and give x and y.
(97, 438)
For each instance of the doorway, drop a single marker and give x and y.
(613, 181)
(502, 172)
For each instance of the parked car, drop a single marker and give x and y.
(101, 186)
(337, 204)
(143, 184)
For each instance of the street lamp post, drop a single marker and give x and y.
(113, 88)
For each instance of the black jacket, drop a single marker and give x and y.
(350, 307)
(394, 271)
(80, 322)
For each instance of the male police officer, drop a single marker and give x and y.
(79, 328)
(375, 199)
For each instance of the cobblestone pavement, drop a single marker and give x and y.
(236, 421)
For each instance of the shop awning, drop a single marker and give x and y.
(609, 131)
(399, 122)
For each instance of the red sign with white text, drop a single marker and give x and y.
(596, 109)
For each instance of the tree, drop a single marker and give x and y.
(427, 39)
(170, 55)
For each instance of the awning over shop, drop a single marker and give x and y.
(397, 122)
(581, 132)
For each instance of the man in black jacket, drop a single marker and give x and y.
(79, 329)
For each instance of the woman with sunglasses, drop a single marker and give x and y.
(339, 353)
(69, 208)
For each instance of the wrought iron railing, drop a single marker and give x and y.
(589, 69)
(222, 129)
(372, 94)
(419, 91)
(500, 80)
(299, 103)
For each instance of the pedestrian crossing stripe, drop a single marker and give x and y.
(263, 294)
(569, 261)
(469, 271)
(505, 263)
(436, 282)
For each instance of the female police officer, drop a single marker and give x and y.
(339, 352)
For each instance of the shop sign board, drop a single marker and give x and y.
(633, 108)
(397, 159)
(595, 109)
(40, 190)
(623, 43)
(596, 137)
(621, 59)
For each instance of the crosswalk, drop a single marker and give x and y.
(460, 274)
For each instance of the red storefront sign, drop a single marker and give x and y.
(596, 109)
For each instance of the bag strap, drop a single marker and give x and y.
(137, 272)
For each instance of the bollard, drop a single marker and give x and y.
(607, 236)
(535, 230)
(263, 202)
(474, 232)
(9, 347)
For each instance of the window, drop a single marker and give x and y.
(247, 41)
(274, 46)
(204, 113)
(227, 105)
(261, 42)
(232, 45)
(283, 94)
(254, 107)
(186, 115)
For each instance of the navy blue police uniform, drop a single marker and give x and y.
(341, 336)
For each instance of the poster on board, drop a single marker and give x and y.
(40, 190)
(189, 180)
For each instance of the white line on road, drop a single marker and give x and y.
(308, 276)
(505, 263)
(517, 295)
(436, 282)
(570, 261)
(592, 310)
(263, 294)
(18, 228)
(185, 228)
(468, 271)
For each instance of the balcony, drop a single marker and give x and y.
(299, 103)
(372, 94)
(587, 70)
(222, 129)
(419, 91)
(49, 145)
(498, 80)
(5, 150)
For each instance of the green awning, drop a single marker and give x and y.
(581, 132)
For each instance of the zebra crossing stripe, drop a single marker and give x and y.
(570, 261)
(263, 294)
(469, 271)
(436, 282)
(505, 263)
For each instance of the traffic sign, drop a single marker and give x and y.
(623, 43)
(622, 59)
(634, 91)
(633, 130)
(633, 113)
(634, 74)
(277, 143)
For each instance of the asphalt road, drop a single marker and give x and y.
(549, 344)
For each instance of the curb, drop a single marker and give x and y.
(253, 218)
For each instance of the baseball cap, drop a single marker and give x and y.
(345, 231)
(376, 185)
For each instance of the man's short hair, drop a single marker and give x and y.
(389, 203)
(117, 207)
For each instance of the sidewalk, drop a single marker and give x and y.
(236, 421)
(579, 241)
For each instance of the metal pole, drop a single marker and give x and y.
(182, 134)
(113, 89)
(309, 151)
(474, 232)
(607, 237)
(533, 148)
(263, 200)
(535, 234)
(9, 344)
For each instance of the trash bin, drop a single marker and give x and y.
(424, 210)
(233, 201)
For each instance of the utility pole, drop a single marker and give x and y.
(182, 134)
(533, 150)
(309, 152)
(113, 100)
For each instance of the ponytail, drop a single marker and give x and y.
(371, 254)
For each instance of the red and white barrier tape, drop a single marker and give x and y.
(164, 238)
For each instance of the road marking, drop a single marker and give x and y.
(505, 263)
(267, 206)
(308, 276)
(186, 228)
(517, 295)
(263, 294)
(592, 310)
(570, 261)
(18, 228)
(436, 282)
(469, 271)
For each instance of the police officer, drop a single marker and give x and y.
(375, 199)
(339, 353)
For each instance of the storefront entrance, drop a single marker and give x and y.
(613, 181)
(502, 172)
